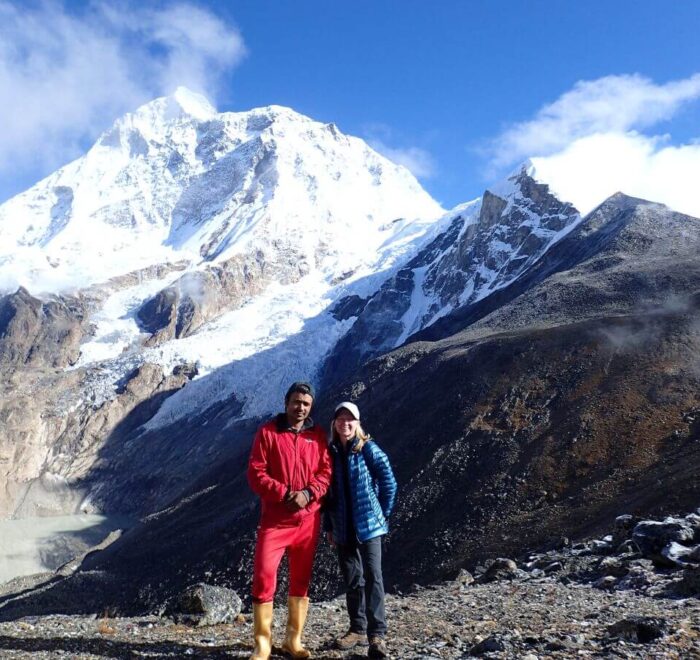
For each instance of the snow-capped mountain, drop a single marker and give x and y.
(194, 260)
(175, 180)
(265, 209)
(189, 237)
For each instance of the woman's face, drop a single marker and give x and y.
(345, 425)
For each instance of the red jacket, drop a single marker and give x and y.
(282, 460)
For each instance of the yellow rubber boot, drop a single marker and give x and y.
(298, 608)
(262, 630)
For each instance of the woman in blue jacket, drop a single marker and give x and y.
(360, 501)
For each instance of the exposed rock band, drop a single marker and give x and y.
(306, 481)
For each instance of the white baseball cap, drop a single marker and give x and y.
(350, 407)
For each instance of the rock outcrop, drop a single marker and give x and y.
(486, 247)
(40, 333)
(53, 443)
(200, 296)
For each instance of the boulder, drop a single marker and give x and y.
(501, 569)
(464, 577)
(690, 582)
(623, 528)
(492, 644)
(652, 537)
(613, 566)
(606, 583)
(207, 605)
(679, 555)
(639, 629)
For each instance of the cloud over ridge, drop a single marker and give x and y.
(416, 160)
(589, 143)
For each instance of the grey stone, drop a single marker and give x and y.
(613, 566)
(600, 547)
(501, 569)
(639, 629)
(493, 643)
(690, 581)
(679, 555)
(207, 605)
(607, 582)
(464, 577)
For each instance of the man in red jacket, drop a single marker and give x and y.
(290, 469)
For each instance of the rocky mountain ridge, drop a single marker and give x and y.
(540, 420)
(488, 245)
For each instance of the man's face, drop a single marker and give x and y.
(298, 407)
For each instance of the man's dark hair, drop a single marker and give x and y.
(302, 387)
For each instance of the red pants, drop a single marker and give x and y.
(300, 543)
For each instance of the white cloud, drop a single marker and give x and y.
(64, 76)
(589, 143)
(613, 104)
(418, 161)
(594, 167)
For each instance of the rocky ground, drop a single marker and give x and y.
(638, 597)
(540, 618)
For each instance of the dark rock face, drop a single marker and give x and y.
(462, 265)
(40, 333)
(513, 446)
(348, 307)
(376, 330)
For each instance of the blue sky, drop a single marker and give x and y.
(459, 91)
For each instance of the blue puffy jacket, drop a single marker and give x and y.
(372, 489)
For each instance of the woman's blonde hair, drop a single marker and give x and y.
(360, 434)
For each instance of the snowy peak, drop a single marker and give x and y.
(191, 227)
(193, 104)
(176, 180)
(156, 120)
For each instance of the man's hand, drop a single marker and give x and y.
(296, 500)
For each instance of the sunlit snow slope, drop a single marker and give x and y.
(182, 187)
